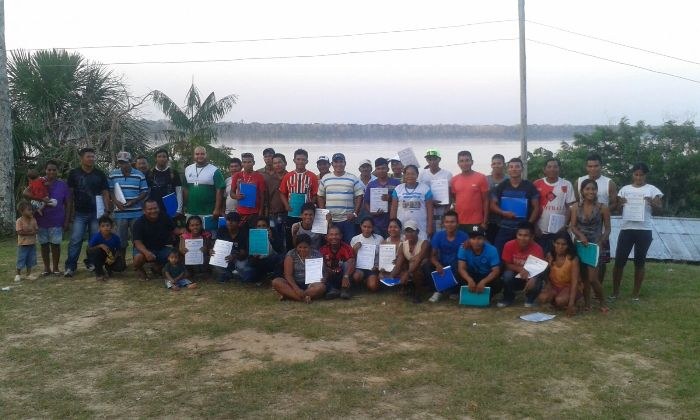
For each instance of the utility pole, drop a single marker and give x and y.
(7, 165)
(523, 87)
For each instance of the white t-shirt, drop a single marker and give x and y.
(411, 205)
(554, 199)
(231, 203)
(646, 191)
(603, 183)
(372, 240)
(427, 177)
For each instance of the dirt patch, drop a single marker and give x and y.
(70, 327)
(621, 368)
(521, 328)
(567, 394)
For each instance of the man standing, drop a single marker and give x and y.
(251, 178)
(396, 168)
(323, 164)
(204, 195)
(133, 185)
(498, 175)
(515, 253)
(381, 216)
(88, 187)
(153, 233)
(274, 207)
(268, 154)
(163, 180)
(341, 193)
(438, 180)
(234, 166)
(515, 201)
(471, 194)
(556, 195)
(300, 181)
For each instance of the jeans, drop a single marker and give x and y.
(348, 228)
(271, 264)
(278, 224)
(98, 257)
(244, 270)
(512, 285)
(504, 235)
(83, 222)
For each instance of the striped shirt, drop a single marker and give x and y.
(300, 183)
(339, 193)
(132, 186)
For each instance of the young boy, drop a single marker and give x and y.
(176, 273)
(104, 250)
(27, 229)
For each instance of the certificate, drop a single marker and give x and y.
(633, 209)
(408, 157)
(194, 255)
(119, 194)
(296, 200)
(534, 266)
(222, 249)
(556, 222)
(387, 256)
(441, 190)
(257, 242)
(376, 203)
(99, 206)
(366, 256)
(313, 270)
(320, 224)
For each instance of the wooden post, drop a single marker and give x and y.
(523, 87)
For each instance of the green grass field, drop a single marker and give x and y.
(127, 348)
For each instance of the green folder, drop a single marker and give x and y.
(296, 200)
(588, 254)
(466, 297)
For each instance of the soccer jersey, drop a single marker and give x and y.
(554, 199)
(202, 185)
(300, 183)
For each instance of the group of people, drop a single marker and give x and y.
(482, 228)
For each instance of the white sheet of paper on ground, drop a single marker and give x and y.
(375, 200)
(222, 249)
(313, 270)
(366, 256)
(441, 190)
(119, 194)
(387, 256)
(408, 157)
(320, 224)
(534, 266)
(556, 222)
(194, 254)
(537, 317)
(633, 209)
(99, 206)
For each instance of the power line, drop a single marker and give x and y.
(282, 38)
(614, 61)
(614, 42)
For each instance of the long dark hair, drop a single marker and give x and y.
(570, 249)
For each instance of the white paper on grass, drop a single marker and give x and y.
(633, 209)
(441, 190)
(320, 224)
(99, 206)
(387, 256)
(375, 200)
(222, 249)
(365, 256)
(537, 317)
(313, 270)
(534, 266)
(194, 254)
(556, 222)
(119, 194)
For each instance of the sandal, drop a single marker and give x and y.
(45, 273)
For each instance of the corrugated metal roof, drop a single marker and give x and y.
(674, 238)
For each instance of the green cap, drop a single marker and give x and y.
(432, 152)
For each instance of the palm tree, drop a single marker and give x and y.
(194, 125)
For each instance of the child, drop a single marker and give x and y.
(104, 250)
(367, 237)
(38, 191)
(27, 229)
(195, 231)
(176, 273)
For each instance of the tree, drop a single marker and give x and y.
(7, 202)
(194, 125)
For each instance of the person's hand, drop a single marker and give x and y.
(215, 215)
(211, 252)
(508, 215)
(529, 285)
(440, 269)
(484, 226)
(350, 216)
(466, 244)
(524, 274)
(237, 196)
(385, 197)
(570, 310)
(480, 287)
(583, 240)
(229, 258)
(622, 200)
(150, 256)
(471, 285)
(119, 205)
(379, 212)
(104, 247)
(430, 229)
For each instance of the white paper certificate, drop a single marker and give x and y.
(320, 224)
(556, 222)
(633, 209)
(118, 193)
(375, 200)
(365, 256)
(387, 256)
(534, 266)
(408, 157)
(99, 206)
(194, 255)
(222, 249)
(441, 190)
(313, 270)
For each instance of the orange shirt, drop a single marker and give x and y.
(561, 276)
(22, 224)
(468, 190)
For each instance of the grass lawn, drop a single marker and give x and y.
(126, 348)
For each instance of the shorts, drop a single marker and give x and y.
(26, 256)
(161, 254)
(178, 283)
(556, 290)
(52, 235)
(365, 272)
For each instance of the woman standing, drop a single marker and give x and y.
(413, 201)
(635, 230)
(53, 220)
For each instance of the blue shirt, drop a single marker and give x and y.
(447, 250)
(114, 242)
(131, 185)
(482, 263)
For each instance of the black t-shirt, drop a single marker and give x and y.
(240, 242)
(85, 186)
(526, 190)
(154, 235)
(162, 183)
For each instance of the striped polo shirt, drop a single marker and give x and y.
(132, 185)
(339, 193)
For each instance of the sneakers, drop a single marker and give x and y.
(333, 294)
(68, 273)
(18, 278)
(503, 304)
(435, 297)
(345, 294)
(528, 305)
(88, 265)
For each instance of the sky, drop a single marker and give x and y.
(476, 82)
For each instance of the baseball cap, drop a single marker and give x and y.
(395, 159)
(123, 157)
(432, 153)
(365, 162)
(338, 156)
(269, 151)
(410, 224)
(233, 217)
(477, 231)
(323, 158)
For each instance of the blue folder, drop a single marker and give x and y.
(446, 281)
(296, 200)
(249, 192)
(390, 282)
(467, 297)
(222, 222)
(209, 223)
(257, 242)
(170, 204)
(516, 205)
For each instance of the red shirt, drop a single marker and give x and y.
(468, 191)
(332, 259)
(37, 189)
(249, 178)
(300, 183)
(514, 255)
